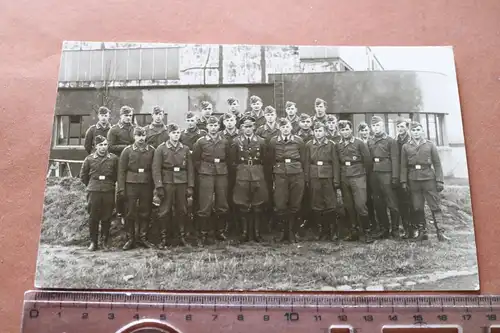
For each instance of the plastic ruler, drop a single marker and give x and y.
(142, 312)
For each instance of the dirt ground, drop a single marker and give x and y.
(64, 261)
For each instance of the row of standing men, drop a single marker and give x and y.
(256, 166)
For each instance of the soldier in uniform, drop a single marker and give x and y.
(192, 133)
(230, 132)
(173, 175)
(256, 111)
(100, 128)
(421, 171)
(291, 115)
(121, 134)
(355, 161)
(156, 132)
(305, 131)
(332, 132)
(206, 111)
(250, 190)
(320, 111)
(211, 160)
(270, 128)
(287, 156)
(234, 109)
(404, 198)
(364, 132)
(385, 177)
(135, 187)
(98, 174)
(323, 177)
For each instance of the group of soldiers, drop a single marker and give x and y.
(248, 174)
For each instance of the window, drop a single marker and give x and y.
(120, 64)
(145, 119)
(71, 129)
(432, 124)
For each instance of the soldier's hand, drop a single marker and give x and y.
(404, 186)
(159, 192)
(440, 187)
(189, 192)
(395, 183)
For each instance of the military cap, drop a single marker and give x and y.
(172, 127)
(255, 98)
(362, 125)
(331, 117)
(139, 131)
(228, 115)
(403, 120)
(344, 124)
(103, 110)
(247, 121)
(269, 109)
(414, 124)
(99, 139)
(283, 122)
(288, 104)
(304, 116)
(205, 104)
(231, 100)
(190, 114)
(377, 119)
(157, 110)
(319, 101)
(126, 110)
(212, 120)
(319, 124)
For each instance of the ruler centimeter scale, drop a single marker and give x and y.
(143, 312)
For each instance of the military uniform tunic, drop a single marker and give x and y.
(120, 136)
(92, 132)
(190, 136)
(156, 134)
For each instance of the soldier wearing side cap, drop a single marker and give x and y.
(234, 109)
(384, 177)
(320, 107)
(135, 187)
(120, 136)
(332, 132)
(256, 111)
(404, 198)
(422, 173)
(355, 160)
(230, 132)
(305, 131)
(173, 175)
(207, 109)
(98, 173)
(156, 132)
(192, 133)
(322, 172)
(287, 156)
(250, 190)
(102, 128)
(211, 159)
(270, 128)
(291, 115)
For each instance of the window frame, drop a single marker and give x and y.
(57, 121)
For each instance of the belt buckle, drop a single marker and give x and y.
(102, 177)
(140, 170)
(418, 167)
(250, 162)
(287, 160)
(376, 159)
(319, 163)
(348, 163)
(216, 160)
(176, 169)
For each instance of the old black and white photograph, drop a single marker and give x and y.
(257, 167)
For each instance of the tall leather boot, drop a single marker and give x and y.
(244, 222)
(353, 234)
(181, 228)
(130, 244)
(334, 226)
(365, 224)
(421, 226)
(143, 233)
(256, 227)
(438, 219)
(105, 226)
(164, 223)
(294, 225)
(319, 219)
(220, 226)
(395, 224)
(284, 226)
